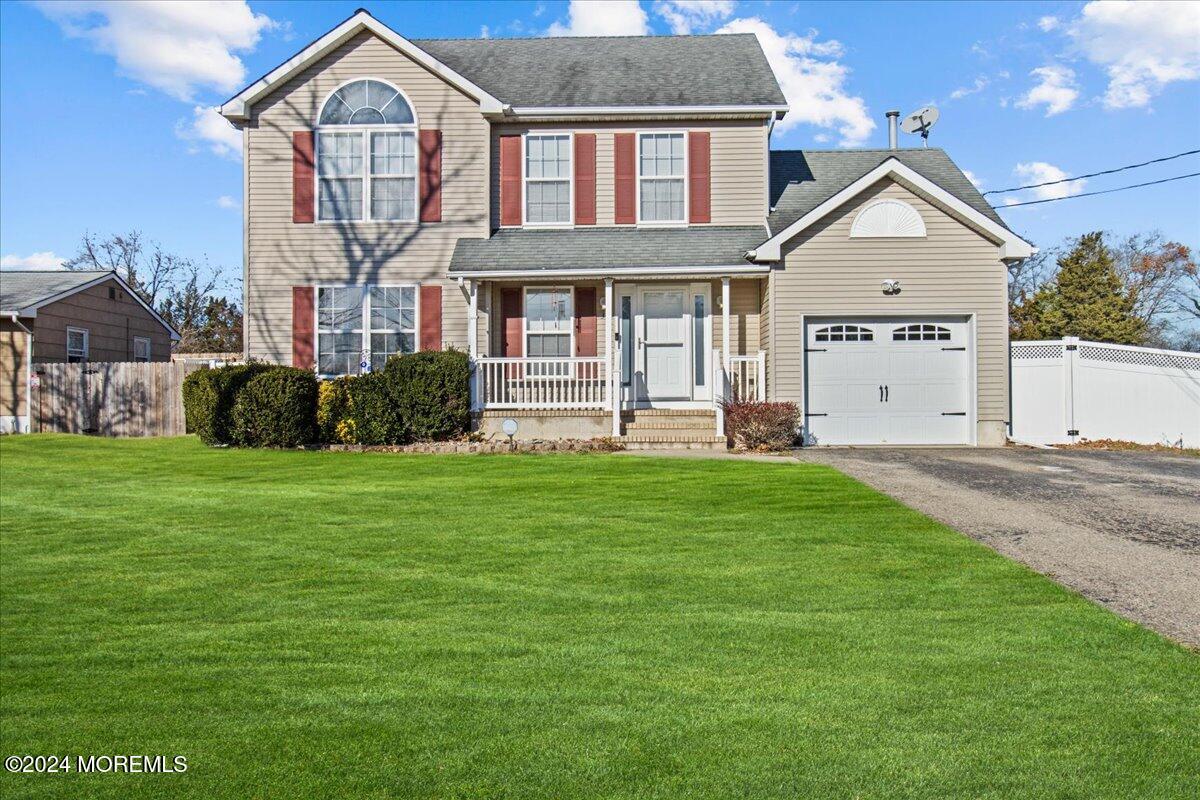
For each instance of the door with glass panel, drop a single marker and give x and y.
(663, 336)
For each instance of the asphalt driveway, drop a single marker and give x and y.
(1122, 528)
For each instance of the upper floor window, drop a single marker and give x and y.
(368, 171)
(661, 176)
(547, 179)
(77, 345)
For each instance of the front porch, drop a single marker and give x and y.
(648, 358)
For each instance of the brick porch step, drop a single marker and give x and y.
(658, 441)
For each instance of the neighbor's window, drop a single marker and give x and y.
(77, 345)
(141, 348)
(661, 177)
(547, 179)
(393, 312)
(548, 314)
(339, 329)
(369, 171)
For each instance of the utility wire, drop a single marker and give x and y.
(1093, 174)
(1104, 191)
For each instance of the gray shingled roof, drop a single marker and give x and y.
(726, 69)
(803, 179)
(605, 248)
(20, 289)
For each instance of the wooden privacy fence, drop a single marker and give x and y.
(115, 398)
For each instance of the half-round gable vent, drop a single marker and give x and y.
(892, 218)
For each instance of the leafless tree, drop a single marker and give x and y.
(145, 266)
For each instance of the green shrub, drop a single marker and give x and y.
(334, 423)
(373, 415)
(432, 393)
(276, 408)
(209, 396)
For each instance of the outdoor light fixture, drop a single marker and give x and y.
(891, 287)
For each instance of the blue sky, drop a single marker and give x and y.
(103, 121)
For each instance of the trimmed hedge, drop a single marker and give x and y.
(334, 424)
(373, 415)
(761, 426)
(208, 398)
(432, 391)
(276, 408)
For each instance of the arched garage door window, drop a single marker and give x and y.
(844, 333)
(921, 333)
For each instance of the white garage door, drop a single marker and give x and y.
(885, 380)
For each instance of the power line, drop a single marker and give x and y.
(1104, 191)
(1093, 174)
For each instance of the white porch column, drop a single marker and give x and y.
(473, 341)
(609, 362)
(727, 350)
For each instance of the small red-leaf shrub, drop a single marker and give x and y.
(761, 426)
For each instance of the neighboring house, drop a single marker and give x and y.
(63, 316)
(601, 224)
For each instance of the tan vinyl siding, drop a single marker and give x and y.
(745, 307)
(111, 324)
(738, 167)
(283, 254)
(954, 270)
(12, 369)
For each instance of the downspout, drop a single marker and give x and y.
(28, 374)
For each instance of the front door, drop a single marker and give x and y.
(664, 344)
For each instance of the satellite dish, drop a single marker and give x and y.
(920, 121)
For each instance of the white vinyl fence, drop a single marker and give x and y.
(1067, 390)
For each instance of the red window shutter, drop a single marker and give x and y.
(585, 321)
(511, 323)
(303, 209)
(431, 317)
(431, 176)
(510, 180)
(303, 308)
(699, 177)
(624, 179)
(585, 179)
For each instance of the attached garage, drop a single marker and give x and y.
(889, 380)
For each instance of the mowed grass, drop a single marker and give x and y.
(304, 624)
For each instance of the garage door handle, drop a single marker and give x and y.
(954, 413)
(814, 350)
(887, 393)
(810, 414)
(881, 393)
(954, 348)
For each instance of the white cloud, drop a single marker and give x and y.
(1142, 46)
(227, 202)
(1048, 23)
(686, 16)
(1041, 172)
(602, 18)
(813, 81)
(975, 181)
(179, 48)
(1056, 90)
(44, 260)
(208, 128)
(484, 33)
(979, 85)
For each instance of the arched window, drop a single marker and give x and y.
(922, 332)
(887, 218)
(367, 154)
(844, 333)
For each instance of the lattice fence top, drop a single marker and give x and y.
(1032, 351)
(1140, 357)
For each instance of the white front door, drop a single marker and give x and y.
(888, 381)
(664, 344)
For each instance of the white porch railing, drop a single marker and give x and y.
(542, 383)
(748, 376)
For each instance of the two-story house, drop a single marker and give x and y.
(602, 225)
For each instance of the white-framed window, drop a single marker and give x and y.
(922, 332)
(366, 144)
(549, 314)
(77, 345)
(844, 333)
(662, 177)
(141, 348)
(363, 323)
(548, 179)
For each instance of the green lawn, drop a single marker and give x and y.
(304, 624)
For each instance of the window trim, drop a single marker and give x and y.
(149, 349)
(570, 223)
(570, 290)
(86, 344)
(366, 131)
(365, 321)
(637, 154)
